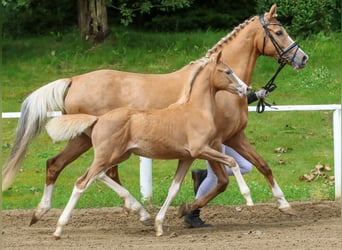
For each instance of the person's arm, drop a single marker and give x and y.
(254, 96)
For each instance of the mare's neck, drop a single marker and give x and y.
(241, 53)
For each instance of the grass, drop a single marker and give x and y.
(29, 64)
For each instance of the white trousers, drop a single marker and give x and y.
(211, 180)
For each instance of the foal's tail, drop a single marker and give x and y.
(66, 127)
(34, 111)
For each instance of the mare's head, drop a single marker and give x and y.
(223, 78)
(273, 40)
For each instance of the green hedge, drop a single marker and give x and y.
(202, 15)
(32, 17)
(306, 17)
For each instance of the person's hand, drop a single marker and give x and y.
(262, 93)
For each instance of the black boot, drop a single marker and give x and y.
(193, 220)
(198, 175)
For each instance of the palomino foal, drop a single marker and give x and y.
(184, 131)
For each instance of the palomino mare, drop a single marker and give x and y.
(101, 91)
(184, 131)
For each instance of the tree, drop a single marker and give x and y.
(92, 19)
(128, 8)
(92, 14)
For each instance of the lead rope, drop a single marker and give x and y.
(269, 87)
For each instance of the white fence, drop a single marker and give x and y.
(146, 164)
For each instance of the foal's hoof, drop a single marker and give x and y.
(158, 227)
(287, 210)
(147, 222)
(184, 209)
(56, 237)
(126, 211)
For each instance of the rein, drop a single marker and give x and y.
(281, 52)
(270, 86)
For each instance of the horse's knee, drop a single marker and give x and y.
(52, 170)
(267, 173)
(114, 174)
(267, 170)
(222, 184)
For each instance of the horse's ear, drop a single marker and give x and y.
(218, 57)
(273, 11)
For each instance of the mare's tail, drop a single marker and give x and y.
(34, 112)
(66, 127)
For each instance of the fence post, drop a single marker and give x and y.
(146, 179)
(337, 152)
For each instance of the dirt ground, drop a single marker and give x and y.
(315, 225)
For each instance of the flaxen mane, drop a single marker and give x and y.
(187, 91)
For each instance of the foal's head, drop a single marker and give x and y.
(223, 78)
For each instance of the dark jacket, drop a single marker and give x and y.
(251, 97)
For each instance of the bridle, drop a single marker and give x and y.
(281, 52)
(270, 86)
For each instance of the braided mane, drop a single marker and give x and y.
(204, 60)
(230, 36)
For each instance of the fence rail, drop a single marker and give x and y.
(146, 164)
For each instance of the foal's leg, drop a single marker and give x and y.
(82, 184)
(130, 203)
(80, 187)
(54, 167)
(182, 169)
(241, 144)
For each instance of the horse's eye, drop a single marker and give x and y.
(228, 71)
(279, 32)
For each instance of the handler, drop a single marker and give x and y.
(205, 179)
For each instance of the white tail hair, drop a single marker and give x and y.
(66, 127)
(33, 117)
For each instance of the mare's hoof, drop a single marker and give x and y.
(34, 219)
(184, 209)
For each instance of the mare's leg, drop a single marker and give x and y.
(182, 169)
(54, 167)
(216, 160)
(222, 183)
(113, 173)
(214, 157)
(241, 144)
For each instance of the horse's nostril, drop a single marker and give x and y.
(305, 58)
